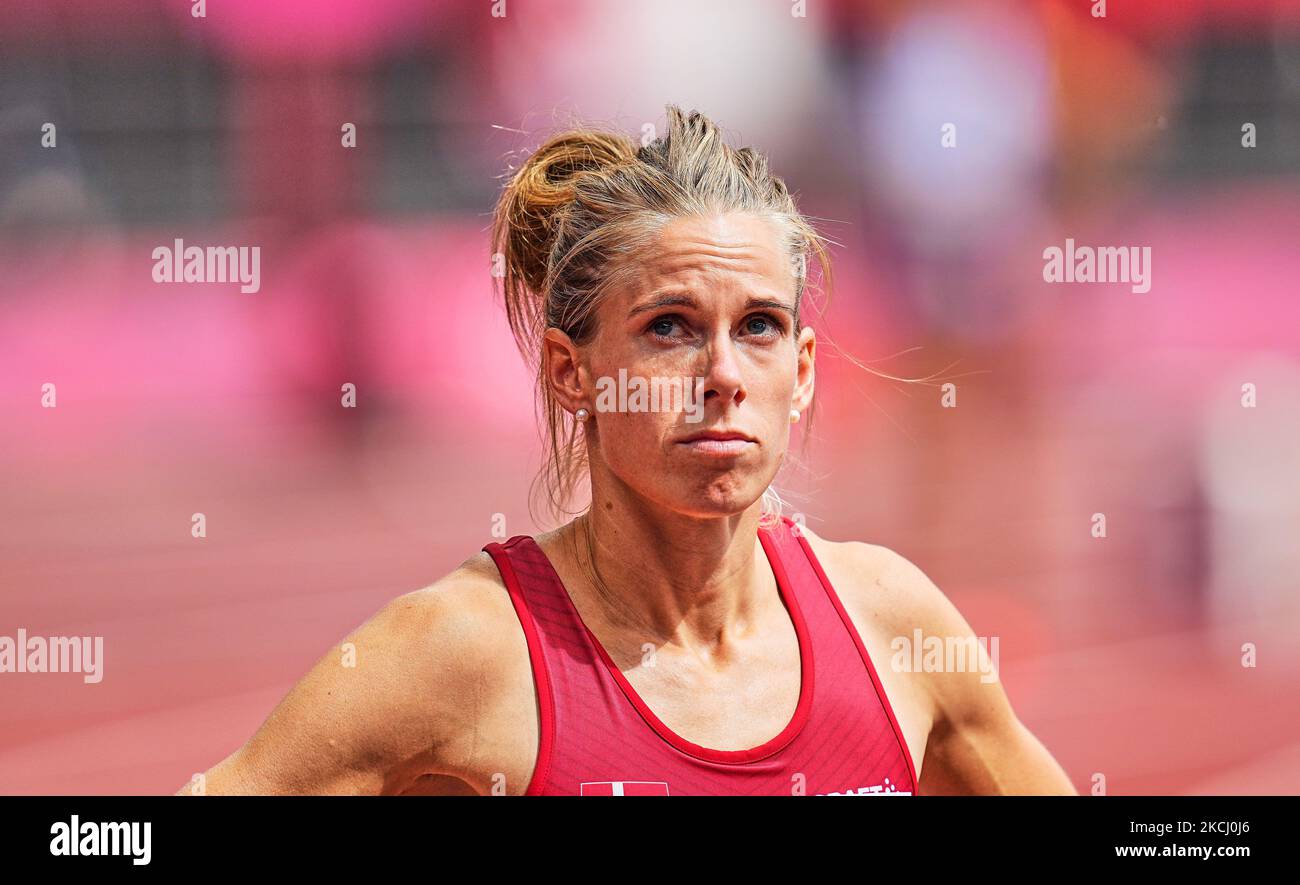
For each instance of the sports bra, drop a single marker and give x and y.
(598, 737)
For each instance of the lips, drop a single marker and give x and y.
(718, 444)
(719, 435)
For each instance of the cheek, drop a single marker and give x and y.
(773, 400)
(633, 438)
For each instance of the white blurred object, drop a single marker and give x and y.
(750, 67)
(985, 73)
(1251, 464)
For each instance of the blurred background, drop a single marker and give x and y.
(1124, 653)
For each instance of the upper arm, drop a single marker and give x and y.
(380, 708)
(976, 744)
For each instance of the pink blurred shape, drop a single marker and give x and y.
(308, 30)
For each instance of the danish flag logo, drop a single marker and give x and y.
(623, 788)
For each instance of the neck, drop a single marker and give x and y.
(668, 579)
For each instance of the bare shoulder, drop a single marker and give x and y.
(463, 642)
(901, 597)
(405, 697)
(889, 598)
(971, 742)
(468, 605)
(899, 592)
(475, 677)
(452, 626)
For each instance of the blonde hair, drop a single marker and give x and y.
(572, 220)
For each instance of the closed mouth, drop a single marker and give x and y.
(719, 444)
(718, 436)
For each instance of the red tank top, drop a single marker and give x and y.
(599, 738)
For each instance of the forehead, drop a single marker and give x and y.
(736, 249)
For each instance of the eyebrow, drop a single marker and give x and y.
(685, 300)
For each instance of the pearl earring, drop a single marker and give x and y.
(582, 414)
(794, 416)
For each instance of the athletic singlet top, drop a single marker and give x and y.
(599, 738)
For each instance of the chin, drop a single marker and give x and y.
(713, 501)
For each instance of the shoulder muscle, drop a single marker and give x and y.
(903, 599)
(396, 698)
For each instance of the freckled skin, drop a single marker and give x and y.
(755, 365)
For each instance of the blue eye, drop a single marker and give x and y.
(663, 326)
(768, 324)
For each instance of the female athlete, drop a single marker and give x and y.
(681, 635)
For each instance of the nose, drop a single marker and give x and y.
(724, 379)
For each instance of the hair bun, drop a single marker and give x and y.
(527, 211)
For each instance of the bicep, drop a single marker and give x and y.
(989, 753)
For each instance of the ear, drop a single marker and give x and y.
(563, 372)
(805, 373)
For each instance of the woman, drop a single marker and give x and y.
(680, 636)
